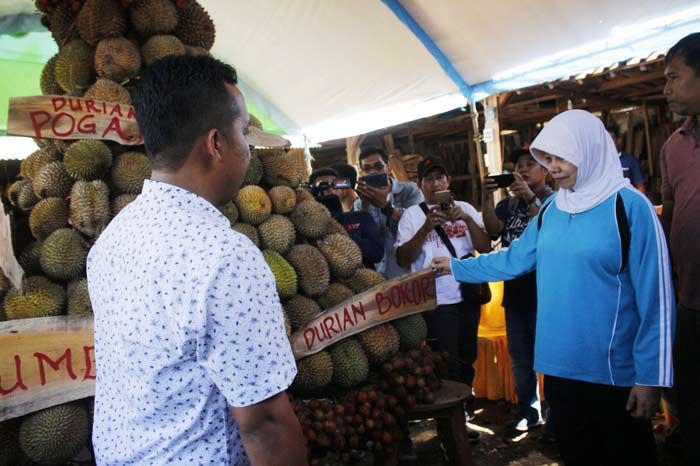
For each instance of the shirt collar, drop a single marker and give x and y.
(688, 125)
(180, 198)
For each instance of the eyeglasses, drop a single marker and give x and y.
(377, 166)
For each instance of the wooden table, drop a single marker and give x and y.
(448, 412)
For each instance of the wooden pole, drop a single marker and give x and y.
(647, 135)
(352, 150)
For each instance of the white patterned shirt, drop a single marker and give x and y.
(187, 322)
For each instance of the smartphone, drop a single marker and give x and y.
(504, 180)
(379, 180)
(443, 199)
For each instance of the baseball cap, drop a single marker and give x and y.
(429, 164)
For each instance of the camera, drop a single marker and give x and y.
(318, 189)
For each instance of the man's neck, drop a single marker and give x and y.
(190, 183)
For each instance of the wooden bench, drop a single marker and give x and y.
(448, 412)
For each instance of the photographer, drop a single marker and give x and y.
(386, 199)
(453, 325)
(361, 227)
(508, 220)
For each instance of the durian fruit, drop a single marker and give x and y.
(87, 159)
(310, 219)
(29, 258)
(47, 82)
(281, 170)
(254, 206)
(55, 435)
(99, 19)
(277, 234)
(61, 24)
(254, 173)
(230, 212)
(107, 90)
(304, 195)
(161, 46)
(254, 122)
(301, 310)
(334, 295)
(311, 267)
(89, 207)
(117, 59)
(285, 276)
(74, 68)
(129, 170)
(350, 364)
(248, 230)
(39, 298)
(283, 199)
(79, 298)
(287, 323)
(10, 452)
(197, 51)
(52, 180)
(29, 167)
(379, 342)
(63, 255)
(150, 17)
(412, 329)
(333, 227)
(313, 373)
(364, 279)
(47, 216)
(121, 201)
(342, 253)
(21, 194)
(195, 27)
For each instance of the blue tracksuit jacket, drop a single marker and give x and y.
(594, 323)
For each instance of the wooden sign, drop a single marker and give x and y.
(396, 298)
(64, 117)
(50, 360)
(44, 362)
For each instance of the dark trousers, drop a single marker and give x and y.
(520, 329)
(687, 380)
(593, 426)
(453, 328)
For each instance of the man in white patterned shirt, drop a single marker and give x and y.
(191, 352)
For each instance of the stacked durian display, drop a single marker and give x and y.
(68, 191)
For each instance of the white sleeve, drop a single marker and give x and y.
(472, 212)
(411, 220)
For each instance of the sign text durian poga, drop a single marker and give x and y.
(64, 117)
(390, 300)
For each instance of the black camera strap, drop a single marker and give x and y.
(441, 232)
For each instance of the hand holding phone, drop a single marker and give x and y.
(379, 180)
(443, 199)
(504, 180)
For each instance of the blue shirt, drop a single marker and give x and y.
(594, 323)
(187, 322)
(632, 168)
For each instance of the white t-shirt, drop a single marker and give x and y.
(413, 218)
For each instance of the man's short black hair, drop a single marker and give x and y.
(688, 48)
(613, 129)
(319, 172)
(345, 170)
(179, 98)
(373, 150)
(517, 153)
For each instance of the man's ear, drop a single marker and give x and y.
(449, 180)
(212, 143)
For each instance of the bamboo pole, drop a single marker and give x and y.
(647, 135)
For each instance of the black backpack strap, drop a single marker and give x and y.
(623, 228)
(441, 232)
(540, 215)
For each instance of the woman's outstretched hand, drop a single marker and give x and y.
(441, 266)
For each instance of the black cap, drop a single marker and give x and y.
(429, 164)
